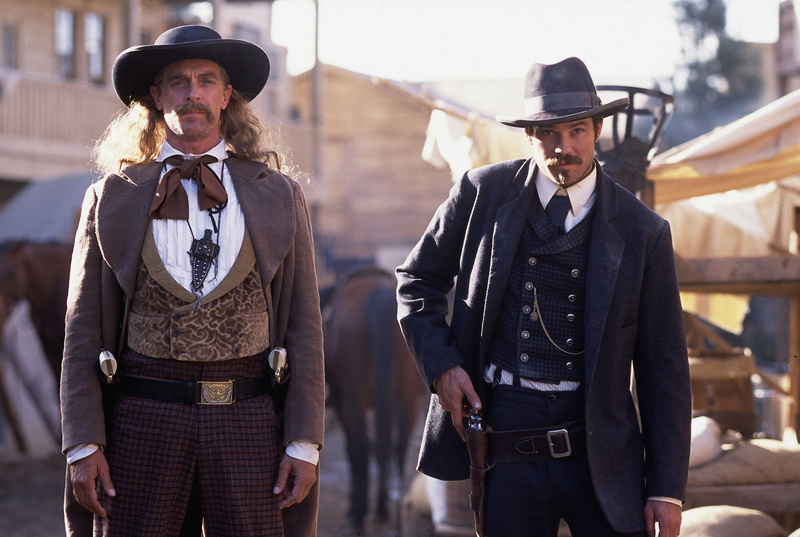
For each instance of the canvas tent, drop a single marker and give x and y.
(761, 147)
(46, 209)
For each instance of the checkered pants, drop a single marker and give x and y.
(163, 453)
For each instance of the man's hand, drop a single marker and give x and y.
(295, 478)
(84, 475)
(668, 516)
(454, 387)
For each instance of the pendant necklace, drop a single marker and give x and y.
(204, 253)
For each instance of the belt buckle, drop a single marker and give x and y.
(216, 393)
(563, 433)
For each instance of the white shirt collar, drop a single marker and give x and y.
(217, 151)
(579, 193)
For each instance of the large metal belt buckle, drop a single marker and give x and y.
(563, 436)
(216, 393)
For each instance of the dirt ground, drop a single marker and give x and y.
(31, 495)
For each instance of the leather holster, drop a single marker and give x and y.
(478, 447)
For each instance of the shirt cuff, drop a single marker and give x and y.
(81, 451)
(303, 450)
(667, 499)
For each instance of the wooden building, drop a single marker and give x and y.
(56, 96)
(379, 194)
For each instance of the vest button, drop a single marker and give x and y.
(176, 316)
(525, 334)
(552, 397)
(575, 273)
(531, 261)
(523, 357)
(176, 333)
(237, 350)
(230, 311)
(570, 317)
(572, 298)
(570, 342)
(176, 352)
(570, 366)
(528, 285)
(526, 310)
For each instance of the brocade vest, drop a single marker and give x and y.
(165, 320)
(540, 327)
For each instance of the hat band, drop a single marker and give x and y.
(561, 101)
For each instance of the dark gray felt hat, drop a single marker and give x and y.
(561, 92)
(135, 69)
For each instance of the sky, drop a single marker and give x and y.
(425, 40)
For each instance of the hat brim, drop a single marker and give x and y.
(564, 116)
(245, 63)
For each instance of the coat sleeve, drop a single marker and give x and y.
(661, 368)
(425, 279)
(298, 306)
(81, 399)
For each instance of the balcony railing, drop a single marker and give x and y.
(48, 126)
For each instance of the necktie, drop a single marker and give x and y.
(557, 210)
(171, 201)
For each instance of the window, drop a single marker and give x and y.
(9, 50)
(65, 42)
(94, 27)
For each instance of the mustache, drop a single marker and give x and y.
(195, 107)
(563, 160)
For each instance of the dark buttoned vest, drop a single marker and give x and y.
(540, 328)
(230, 322)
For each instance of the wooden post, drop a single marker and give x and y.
(794, 365)
(132, 22)
(794, 349)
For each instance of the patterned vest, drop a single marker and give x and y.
(230, 322)
(540, 332)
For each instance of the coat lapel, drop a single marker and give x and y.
(509, 223)
(122, 218)
(605, 254)
(269, 211)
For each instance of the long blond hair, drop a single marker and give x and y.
(136, 135)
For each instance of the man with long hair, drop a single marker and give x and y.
(192, 285)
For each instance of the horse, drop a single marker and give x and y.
(39, 273)
(368, 366)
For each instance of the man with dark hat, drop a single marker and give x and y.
(192, 285)
(565, 287)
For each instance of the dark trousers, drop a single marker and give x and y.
(221, 459)
(529, 499)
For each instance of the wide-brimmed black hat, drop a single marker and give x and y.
(561, 92)
(135, 69)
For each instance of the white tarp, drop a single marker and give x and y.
(761, 147)
(751, 222)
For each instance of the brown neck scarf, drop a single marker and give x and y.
(171, 201)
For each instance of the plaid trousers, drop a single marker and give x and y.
(162, 453)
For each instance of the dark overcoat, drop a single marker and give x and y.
(105, 261)
(633, 320)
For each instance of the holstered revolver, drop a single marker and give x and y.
(477, 434)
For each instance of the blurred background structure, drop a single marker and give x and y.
(383, 104)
